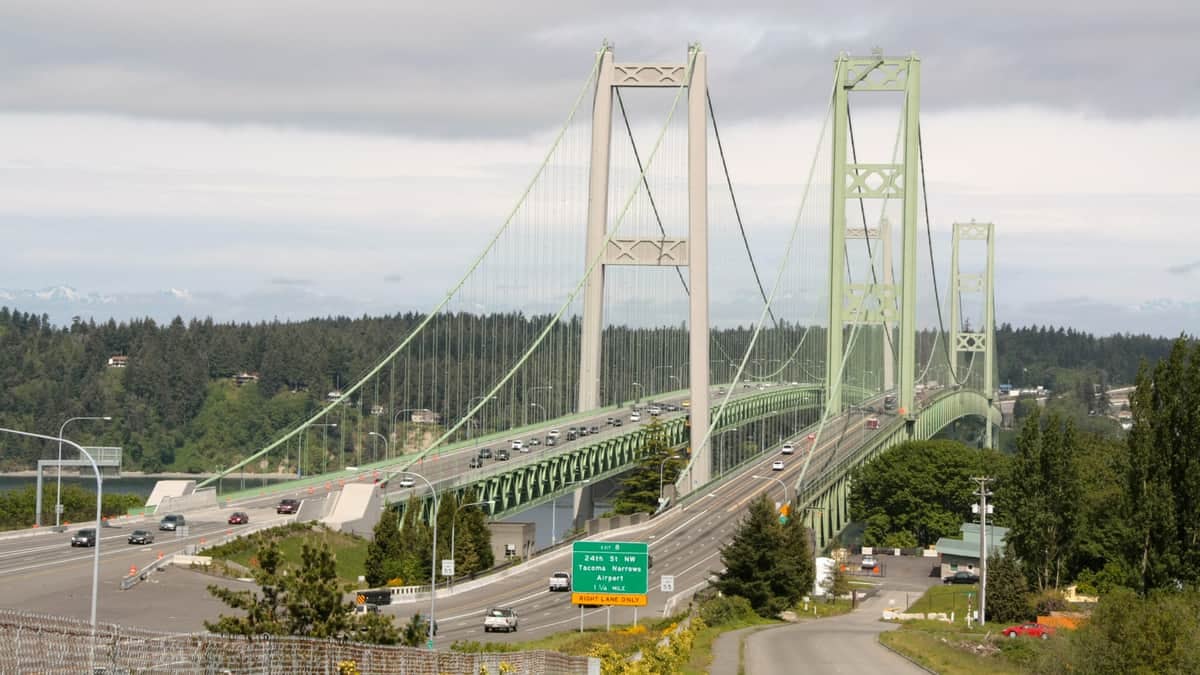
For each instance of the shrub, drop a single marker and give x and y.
(1049, 600)
(725, 610)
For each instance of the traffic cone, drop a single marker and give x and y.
(132, 570)
(160, 555)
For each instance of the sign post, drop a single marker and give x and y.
(666, 583)
(448, 568)
(609, 573)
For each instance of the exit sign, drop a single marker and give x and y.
(610, 572)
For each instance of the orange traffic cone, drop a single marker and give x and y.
(132, 570)
(160, 555)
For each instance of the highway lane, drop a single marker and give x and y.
(684, 541)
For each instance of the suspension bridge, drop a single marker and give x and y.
(624, 274)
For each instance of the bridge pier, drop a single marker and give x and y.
(585, 505)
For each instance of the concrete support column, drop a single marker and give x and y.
(584, 505)
(698, 269)
(597, 226)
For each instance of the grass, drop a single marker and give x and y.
(350, 551)
(701, 657)
(954, 649)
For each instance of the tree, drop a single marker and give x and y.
(837, 584)
(265, 614)
(314, 600)
(1007, 590)
(919, 487)
(1041, 499)
(768, 564)
(384, 553)
(640, 486)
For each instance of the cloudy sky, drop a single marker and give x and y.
(250, 160)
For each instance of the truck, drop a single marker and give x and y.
(560, 581)
(500, 618)
(872, 423)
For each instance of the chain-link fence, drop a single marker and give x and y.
(34, 643)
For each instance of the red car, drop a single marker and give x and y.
(1034, 630)
(239, 518)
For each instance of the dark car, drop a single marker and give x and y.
(85, 537)
(616, 423)
(961, 578)
(288, 506)
(594, 430)
(172, 522)
(239, 518)
(141, 537)
(502, 455)
(475, 463)
(485, 453)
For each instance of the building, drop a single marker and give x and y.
(512, 540)
(425, 417)
(118, 361)
(244, 377)
(377, 410)
(958, 555)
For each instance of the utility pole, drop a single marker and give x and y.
(982, 508)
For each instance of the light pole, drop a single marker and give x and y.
(324, 448)
(396, 420)
(721, 455)
(58, 495)
(482, 412)
(554, 512)
(641, 391)
(433, 517)
(660, 475)
(657, 368)
(777, 480)
(491, 504)
(99, 497)
(677, 380)
(529, 391)
(385, 444)
(538, 405)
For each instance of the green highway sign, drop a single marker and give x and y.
(611, 568)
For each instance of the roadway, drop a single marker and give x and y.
(685, 542)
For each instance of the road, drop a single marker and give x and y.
(685, 543)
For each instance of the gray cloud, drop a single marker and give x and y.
(394, 278)
(280, 281)
(1186, 268)
(489, 69)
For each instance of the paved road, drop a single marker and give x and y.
(843, 644)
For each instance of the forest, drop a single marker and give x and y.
(178, 407)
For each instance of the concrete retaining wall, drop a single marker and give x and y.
(356, 508)
(314, 508)
(170, 488)
(200, 499)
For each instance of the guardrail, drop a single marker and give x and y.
(139, 575)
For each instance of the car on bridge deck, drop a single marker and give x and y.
(777, 465)
(84, 537)
(788, 449)
(408, 481)
(239, 518)
(554, 433)
(872, 423)
(616, 423)
(517, 444)
(141, 537)
(551, 441)
(502, 455)
(475, 463)
(635, 417)
(172, 522)
(485, 453)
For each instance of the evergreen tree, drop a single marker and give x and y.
(796, 567)
(314, 600)
(750, 560)
(384, 552)
(1007, 590)
(640, 486)
(265, 614)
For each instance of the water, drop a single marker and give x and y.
(137, 485)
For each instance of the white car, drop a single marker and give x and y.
(554, 433)
(777, 465)
(635, 417)
(869, 562)
(518, 444)
(788, 449)
(407, 482)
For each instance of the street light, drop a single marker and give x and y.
(657, 368)
(554, 512)
(324, 447)
(99, 497)
(641, 390)
(676, 378)
(777, 480)
(529, 391)
(433, 565)
(538, 405)
(660, 475)
(396, 420)
(491, 504)
(58, 495)
(385, 444)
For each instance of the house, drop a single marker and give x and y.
(377, 410)
(118, 361)
(425, 417)
(963, 554)
(244, 377)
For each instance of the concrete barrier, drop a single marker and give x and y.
(314, 508)
(170, 488)
(356, 508)
(200, 499)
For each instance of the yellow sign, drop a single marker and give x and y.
(621, 599)
(361, 599)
